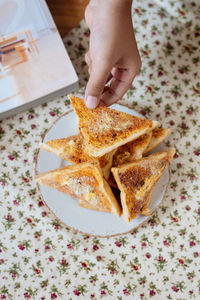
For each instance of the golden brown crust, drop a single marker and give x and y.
(131, 151)
(104, 129)
(88, 205)
(158, 136)
(137, 180)
(146, 211)
(71, 149)
(116, 209)
(105, 162)
(83, 181)
(111, 181)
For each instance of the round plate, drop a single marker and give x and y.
(66, 208)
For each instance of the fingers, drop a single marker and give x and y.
(88, 59)
(120, 83)
(99, 75)
(109, 77)
(97, 89)
(89, 63)
(88, 15)
(122, 74)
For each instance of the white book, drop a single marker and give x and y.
(34, 64)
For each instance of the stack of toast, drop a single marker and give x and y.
(109, 154)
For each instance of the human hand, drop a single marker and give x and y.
(113, 53)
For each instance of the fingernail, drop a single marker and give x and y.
(92, 102)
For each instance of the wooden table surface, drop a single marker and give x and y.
(67, 13)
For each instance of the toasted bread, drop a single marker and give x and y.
(111, 181)
(131, 151)
(158, 136)
(137, 180)
(71, 149)
(85, 182)
(104, 129)
(91, 201)
(128, 153)
(105, 162)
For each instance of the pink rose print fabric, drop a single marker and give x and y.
(41, 258)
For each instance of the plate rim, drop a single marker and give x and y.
(79, 231)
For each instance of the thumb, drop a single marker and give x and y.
(95, 86)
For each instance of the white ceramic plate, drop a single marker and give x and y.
(65, 207)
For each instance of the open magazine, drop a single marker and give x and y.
(34, 64)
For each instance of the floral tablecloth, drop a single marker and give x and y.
(42, 259)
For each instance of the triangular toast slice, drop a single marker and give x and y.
(85, 182)
(131, 151)
(71, 149)
(128, 153)
(158, 136)
(104, 129)
(137, 180)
